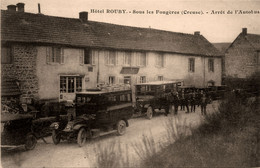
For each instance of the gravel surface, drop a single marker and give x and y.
(69, 154)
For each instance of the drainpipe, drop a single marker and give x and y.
(204, 72)
(98, 69)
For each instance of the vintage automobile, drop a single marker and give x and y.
(217, 92)
(154, 97)
(16, 131)
(97, 113)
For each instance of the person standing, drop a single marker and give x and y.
(203, 104)
(187, 101)
(176, 101)
(182, 100)
(193, 101)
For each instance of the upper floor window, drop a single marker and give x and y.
(191, 65)
(111, 58)
(211, 65)
(160, 60)
(6, 55)
(89, 56)
(54, 55)
(141, 59)
(127, 58)
(142, 79)
(160, 78)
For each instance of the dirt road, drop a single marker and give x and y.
(68, 154)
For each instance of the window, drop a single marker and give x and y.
(160, 60)
(127, 79)
(142, 79)
(54, 55)
(160, 78)
(78, 84)
(6, 55)
(141, 58)
(70, 84)
(191, 65)
(111, 58)
(89, 56)
(111, 80)
(127, 58)
(211, 65)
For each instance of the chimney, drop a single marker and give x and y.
(39, 8)
(196, 33)
(244, 31)
(11, 8)
(20, 7)
(83, 16)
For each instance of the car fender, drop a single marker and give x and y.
(146, 105)
(78, 126)
(126, 121)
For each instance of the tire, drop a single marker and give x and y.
(30, 142)
(82, 136)
(56, 137)
(149, 113)
(121, 127)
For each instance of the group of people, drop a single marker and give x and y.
(189, 100)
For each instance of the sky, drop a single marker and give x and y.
(213, 18)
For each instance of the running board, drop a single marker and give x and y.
(97, 133)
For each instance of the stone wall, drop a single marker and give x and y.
(240, 59)
(23, 69)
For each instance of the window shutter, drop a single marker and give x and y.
(193, 65)
(106, 57)
(81, 57)
(94, 54)
(164, 60)
(116, 57)
(137, 79)
(189, 65)
(62, 55)
(48, 57)
(212, 65)
(147, 59)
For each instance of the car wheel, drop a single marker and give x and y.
(149, 113)
(82, 135)
(56, 137)
(121, 127)
(30, 142)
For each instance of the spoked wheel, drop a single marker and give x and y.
(30, 142)
(56, 137)
(121, 127)
(149, 113)
(82, 135)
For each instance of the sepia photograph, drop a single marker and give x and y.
(126, 83)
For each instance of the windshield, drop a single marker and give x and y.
(145, 90)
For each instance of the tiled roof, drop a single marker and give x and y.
(27, 27)
(254, 39)
(222, 47)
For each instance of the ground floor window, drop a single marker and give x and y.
(111, 80)
(70, 84)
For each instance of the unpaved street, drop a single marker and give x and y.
(68, 154)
